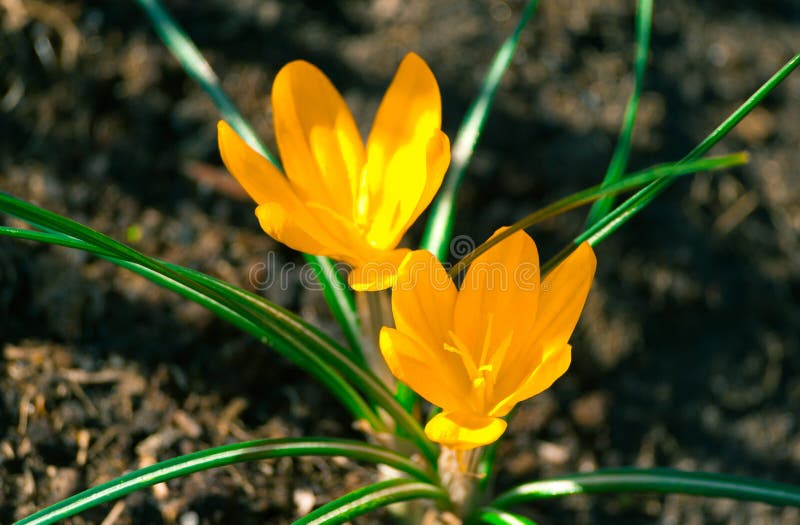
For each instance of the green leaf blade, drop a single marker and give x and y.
(307, 360)
(362, 378)
(218, 457)
(316, 353)
(666, 481)
(580, 198)
(492, 516)
(619, 161)
(197, 67)
(625, 211)
(369, 498)
(439, 228)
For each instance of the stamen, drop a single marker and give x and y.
(487, 380)
(482, 375)
(463, 352)
(500, 353)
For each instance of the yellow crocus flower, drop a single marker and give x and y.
(339, 198)
(478, 351)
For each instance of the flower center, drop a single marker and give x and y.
(483, 372)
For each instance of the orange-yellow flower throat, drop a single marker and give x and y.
(340, 198)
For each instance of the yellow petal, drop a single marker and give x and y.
(564, 292)
(311, 228)
(320, 147)
(553, 365)
(429, 371)
(342, 235)
(403, 179)
(260, 179)
(379, 273)
(461, 431)
(423, 299)
(498, 295)
(281, 221)
(397, 150)
(438, 160)
(280, 212)
(409, 112)
(388, 227)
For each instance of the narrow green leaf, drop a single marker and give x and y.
(667, 481)
(315, 352)
(52, 238)
(499, 517)
(580, 198)
(197, 67)
(486, 461)
(337, 294)
(363, 379)
(340, 300)
(304, 355)
(440, 224)
(364, 500)
(619, 161)
(218, 457)
(279, 338)
(622, 213)
(405, 396)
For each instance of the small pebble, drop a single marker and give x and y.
(304, 500)
(589, 411)
(189, 518)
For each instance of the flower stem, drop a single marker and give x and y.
(375, 312)
(458, 470)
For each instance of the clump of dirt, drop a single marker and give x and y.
(687, 354)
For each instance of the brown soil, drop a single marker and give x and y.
(687, 355)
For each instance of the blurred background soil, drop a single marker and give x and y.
(687, 355)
